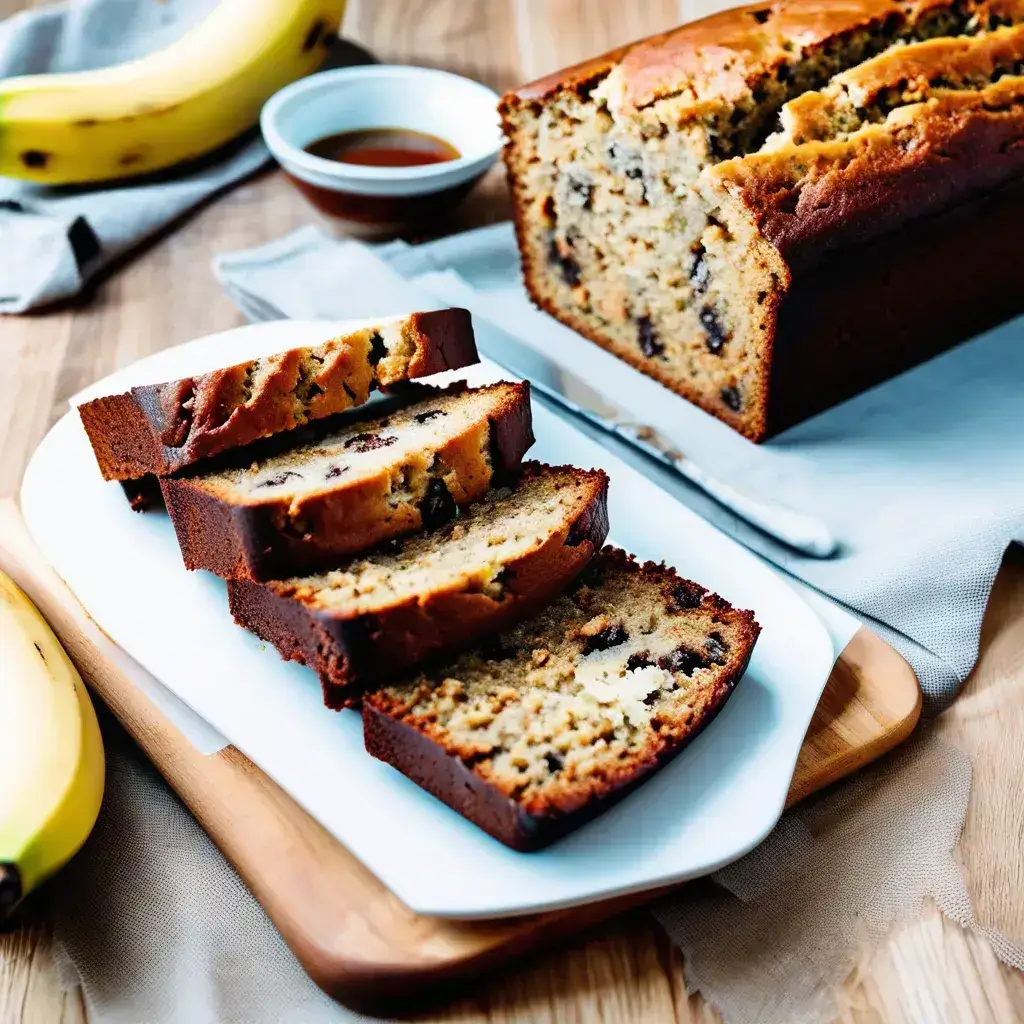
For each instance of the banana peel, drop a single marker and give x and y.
(172, 106)
(51, 751)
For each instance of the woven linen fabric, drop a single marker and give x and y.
(157, 926)
(773, 940)
(60, 238)
(921, 478)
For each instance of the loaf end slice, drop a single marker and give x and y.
(162, 428)
(545, 725)
(436, 592)
(301, 502)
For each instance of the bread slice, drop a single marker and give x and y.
(304, 500)
(162, 428)
(545, 725)
(377, 614)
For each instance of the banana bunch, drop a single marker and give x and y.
(51, 752)
(173, 105)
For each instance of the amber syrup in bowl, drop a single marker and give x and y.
(384, 147)
(389, 149)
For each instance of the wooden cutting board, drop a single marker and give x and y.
(355, 938)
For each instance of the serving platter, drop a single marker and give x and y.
(710, 806)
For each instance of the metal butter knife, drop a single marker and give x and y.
(802, 532)
(568, 391)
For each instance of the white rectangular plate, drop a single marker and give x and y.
(711, 805)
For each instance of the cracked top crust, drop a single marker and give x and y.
(721, 58)
(828, 123)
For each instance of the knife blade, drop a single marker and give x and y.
(802, 532)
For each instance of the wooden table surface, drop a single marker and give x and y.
(927, 970)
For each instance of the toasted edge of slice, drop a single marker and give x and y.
(352, 643)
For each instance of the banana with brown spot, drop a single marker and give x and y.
(172, 106)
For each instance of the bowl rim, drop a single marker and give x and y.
(299, 159)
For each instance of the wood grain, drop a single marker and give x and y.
(928, 971)
(557, 33)
(349, 932)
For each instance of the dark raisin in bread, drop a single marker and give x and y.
(774, 208)
(543, 726)
(502, 559)
(354, 485)
(162, 428)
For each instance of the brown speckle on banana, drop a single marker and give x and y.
(316, 30)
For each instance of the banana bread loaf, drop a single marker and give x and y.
(433, 592)
(543, 726)
(771, 209)
(303, 500)
(162, 428)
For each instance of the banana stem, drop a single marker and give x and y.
(10, 888)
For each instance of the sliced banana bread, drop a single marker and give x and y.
(162, 428)
(502, 559)
(303, 500)
(543, 726)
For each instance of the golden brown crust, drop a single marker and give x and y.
(717, 58)
(947, 62)
(813, 198)
(576, 78)
(350, 650)
(419, 746)
(163, 428)
(278, 537)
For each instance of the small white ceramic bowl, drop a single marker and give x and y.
(462, 112)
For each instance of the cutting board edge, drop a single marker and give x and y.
(249, 817)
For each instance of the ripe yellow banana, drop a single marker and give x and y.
(173, 105)
(51, 752)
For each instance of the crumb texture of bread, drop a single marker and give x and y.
(386, 610)
(679, 201)
(162, 428)
(544, 724)
(308, 498)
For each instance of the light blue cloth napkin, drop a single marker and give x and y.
(53, 240)
(921, 478)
